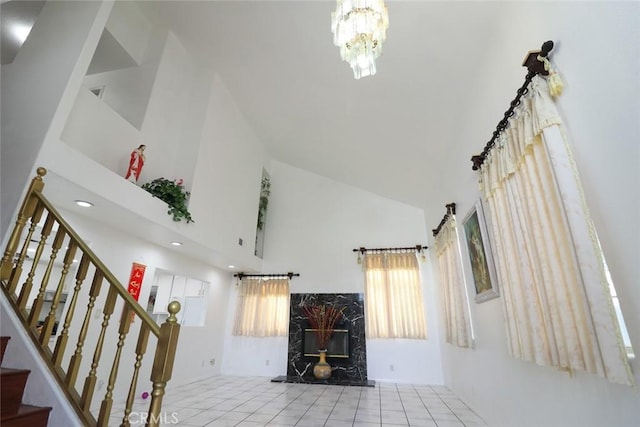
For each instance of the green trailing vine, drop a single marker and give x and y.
(173, 194)
(265, 191)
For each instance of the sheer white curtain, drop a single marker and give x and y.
(393, 296)
(262, 308)
(454, 295)
(555, 292)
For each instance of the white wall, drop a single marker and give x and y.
(169, 106)
(193, 131)
(38, 89)
(226, 181)
(165, 101)
(313, 224)
(98, 132)
(126, 90)
(126, 60)
(598, 56)
(128, 25)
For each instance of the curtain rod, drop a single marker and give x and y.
(535, 66)
(416, 248)
(289, 275)
(451, 210)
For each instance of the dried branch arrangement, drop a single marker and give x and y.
(322, 319)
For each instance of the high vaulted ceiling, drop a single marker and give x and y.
(388, 133)
(393, 133)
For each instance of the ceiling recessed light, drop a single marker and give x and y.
(83, 203)
(176, 243)
(232, 266)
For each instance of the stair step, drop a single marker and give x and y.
(26, 416)
(12, 382)
(3, 346)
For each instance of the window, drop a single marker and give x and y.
(393, 296)
(558, 308)
(263, 307)
(626, 340)
(453, 288)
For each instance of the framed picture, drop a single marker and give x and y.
(479, 249)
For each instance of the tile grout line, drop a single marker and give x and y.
(289, 404)
(425, 405)
(309, 406)
(263, 405)
(357, 406)
(402, 403)
(448, 407)
(334, 407)
(380, 405)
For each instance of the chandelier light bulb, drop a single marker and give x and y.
(359, 28)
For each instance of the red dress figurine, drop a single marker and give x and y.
(135, 164)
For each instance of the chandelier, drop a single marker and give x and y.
(359, 27)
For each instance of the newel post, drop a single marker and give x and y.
(26, 211)
(163, 363)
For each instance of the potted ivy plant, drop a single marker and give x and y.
(173, 194)
(265, 191)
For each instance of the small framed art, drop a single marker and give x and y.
(479, 250)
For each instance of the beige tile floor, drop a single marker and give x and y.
(249, 401)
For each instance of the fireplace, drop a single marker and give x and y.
(338, 346)
(346, 351)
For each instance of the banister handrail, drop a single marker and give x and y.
(135, 306)
(34, 205)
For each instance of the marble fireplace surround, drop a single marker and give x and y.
(345, 371)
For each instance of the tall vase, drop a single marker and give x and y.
(322, 370)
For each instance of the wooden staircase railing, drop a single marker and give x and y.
(38, 304)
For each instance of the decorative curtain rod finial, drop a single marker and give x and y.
(451, 210)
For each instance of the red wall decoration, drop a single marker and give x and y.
(135, 280)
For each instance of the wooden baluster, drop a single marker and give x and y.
(76, 358)
(107, 402)
(61, 344)
(26, 210)
(28, 284)
(90, 381)
(163, 362)
(141, 348)
(17, 270)
(50, 320)
(37, 303)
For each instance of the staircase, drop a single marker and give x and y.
(27, 257)
(12, 412)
